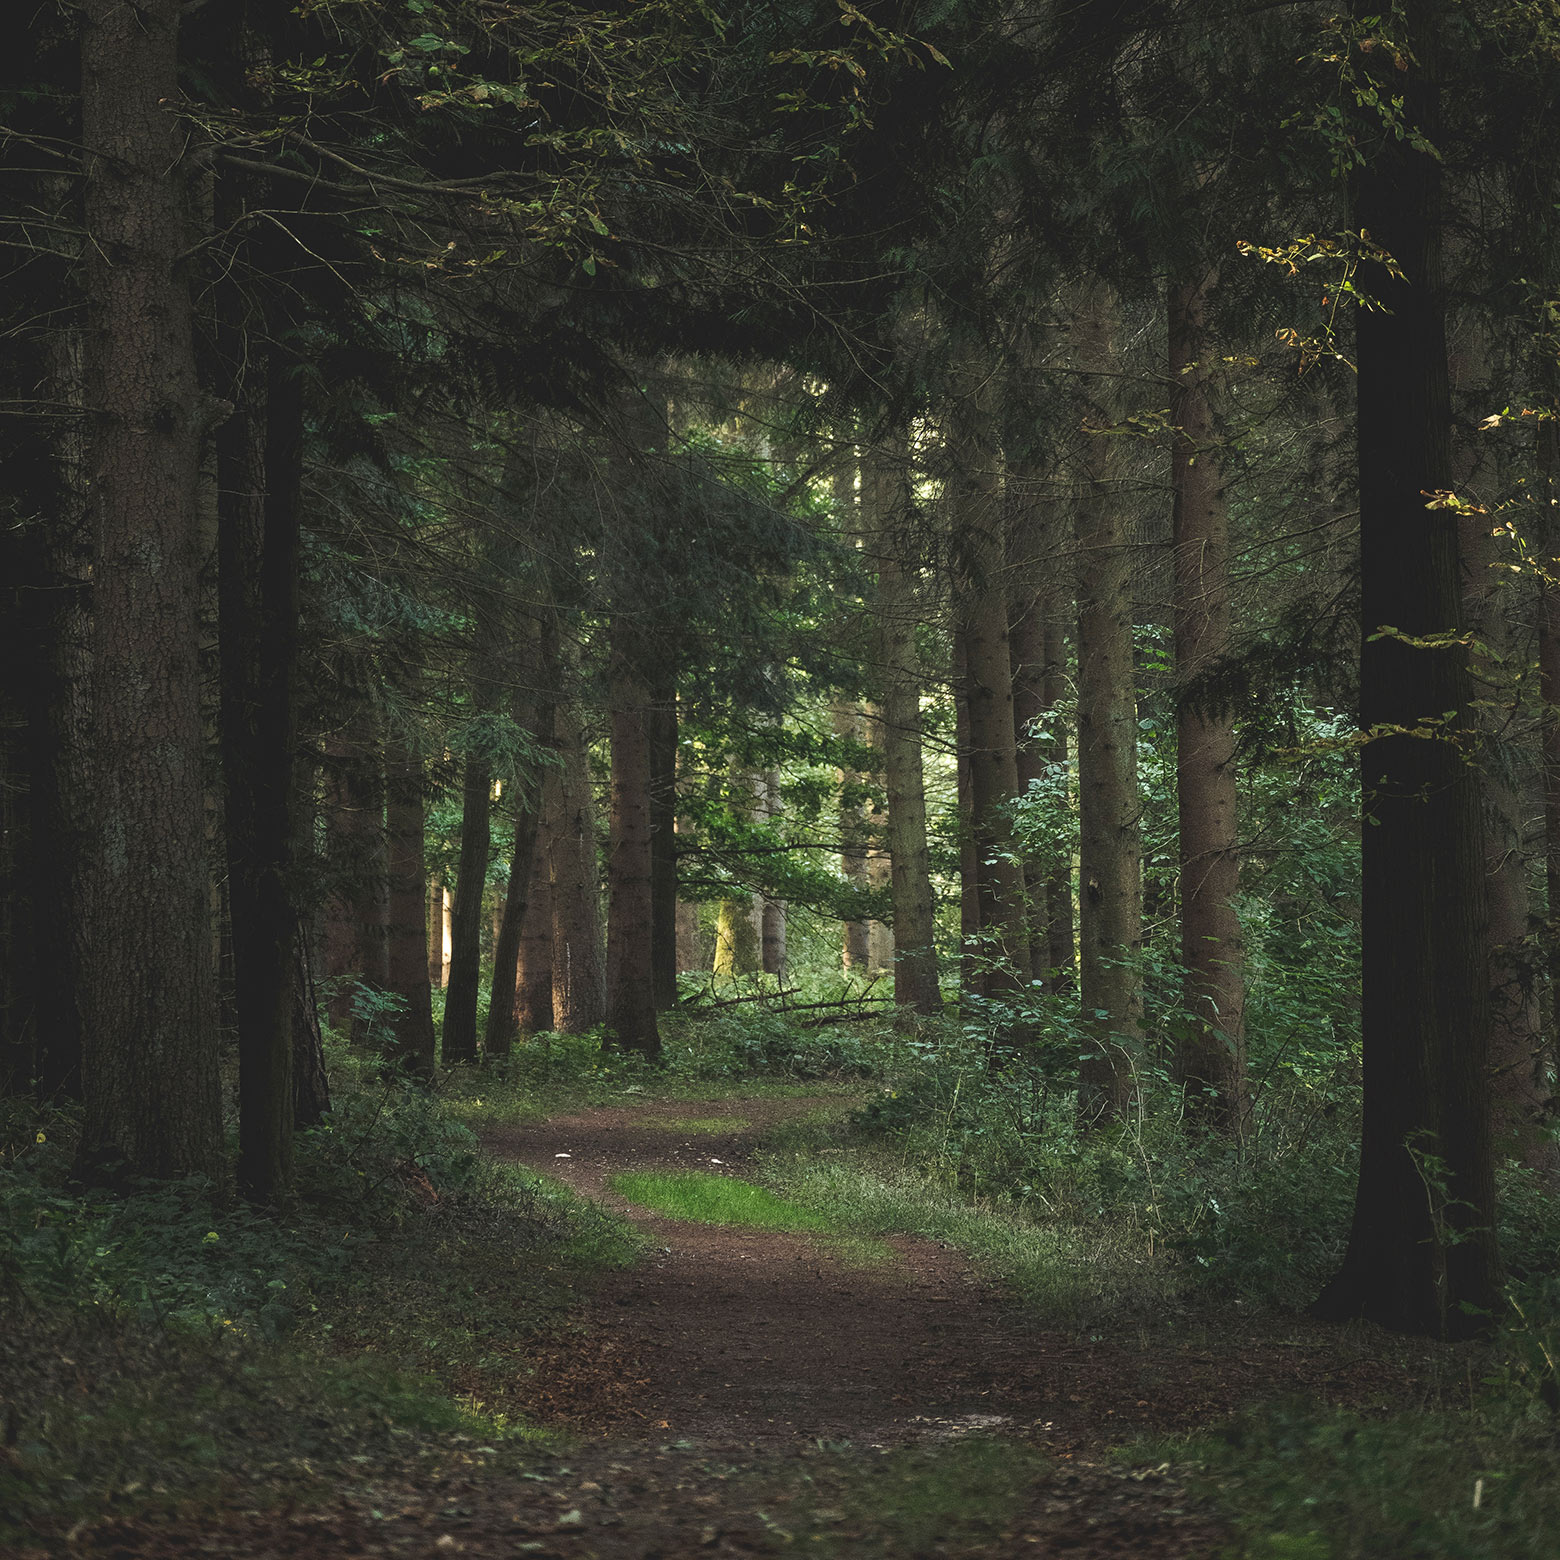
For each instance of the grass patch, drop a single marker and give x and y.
(1069, 1273)
(1307, 1484)
(696, 1123)
(701, 1198)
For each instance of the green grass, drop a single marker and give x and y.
(696, 1123)
(1069, 1273)
(701, 1198)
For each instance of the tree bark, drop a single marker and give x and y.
(910, 885)
(476, 848)
(260, 474)
(406, 944)
(149, 1039)
(971, 966)
(663, 841)
(1060, 937)
(1211, 1053)
(1422, 1248)
(847, 718)
(631, 1005)
(981, 604)
(772, 949)
(1110, 865)
(533, 711)
(579, 976)
(534, 977)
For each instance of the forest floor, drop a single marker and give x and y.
(754, 1391)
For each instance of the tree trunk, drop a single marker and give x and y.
(434, 929)
(1110, 866)
(663, 841)
(579, 977)
(631, 1005)
(772, 950)
(149, 1040)
(54, 660)
(310, 1086)
(980, 592)
(406, 945)
(476, 846)
(847, 719)
(260, 474)
(534, 977)
(1061, 943)
(971, 965)
(1549, 698)
(1422, 1248)
(1211, 1054)
(739, 936)
(915, 962)
(533, 711)
(1026, 645)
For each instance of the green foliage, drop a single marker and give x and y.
(915, 1501)
(1431, 1485)
(168, 1342)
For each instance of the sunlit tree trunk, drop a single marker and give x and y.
(149, 1040)
(847, 720)
(1422, 1249)
(1211, 1053)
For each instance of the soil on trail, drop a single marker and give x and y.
(732, 1336)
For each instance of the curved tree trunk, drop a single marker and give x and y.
(1211, 1055)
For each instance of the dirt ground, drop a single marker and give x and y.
(722, 1387)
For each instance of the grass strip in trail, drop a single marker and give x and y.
(697, 1123)
(701, 1198)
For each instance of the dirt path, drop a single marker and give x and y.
(744, 1393)
(734, 1337)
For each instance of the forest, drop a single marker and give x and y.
(780, 776)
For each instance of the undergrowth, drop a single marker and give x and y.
(166, 1343)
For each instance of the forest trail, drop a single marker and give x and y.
(746, 1392)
